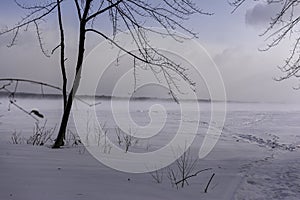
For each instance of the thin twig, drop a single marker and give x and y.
(206, 188)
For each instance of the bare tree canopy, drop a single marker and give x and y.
(283, 25)
(135, 16)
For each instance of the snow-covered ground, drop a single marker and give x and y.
(257, 157)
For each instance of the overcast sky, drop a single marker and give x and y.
(232, 40)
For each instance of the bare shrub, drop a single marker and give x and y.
(107, 147)
(100, 134)
(157, 175)
(72, 139)
(119, 133)
(41, 134)
(126, 140)
(129, 140)
(100, 131)
(16, 138)
(184, 169)
(172, 176)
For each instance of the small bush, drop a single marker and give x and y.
(41, 135)
(16, 138)
(127, 139)
(183, 170)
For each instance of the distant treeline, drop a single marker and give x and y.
(59, 96)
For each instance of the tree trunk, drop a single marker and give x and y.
(64, 122)
(62, 55)
(65, 118)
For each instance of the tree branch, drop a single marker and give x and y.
(192, 175)
(103, 10)
(78, 9)
(31, 81)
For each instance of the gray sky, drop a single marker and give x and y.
(231, 39)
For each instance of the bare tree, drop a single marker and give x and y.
(284, 24)
(131, 15)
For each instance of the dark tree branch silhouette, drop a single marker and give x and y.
(134, 16)
(284, 25)
(10, 82)
(10, 86)
(62, 54)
